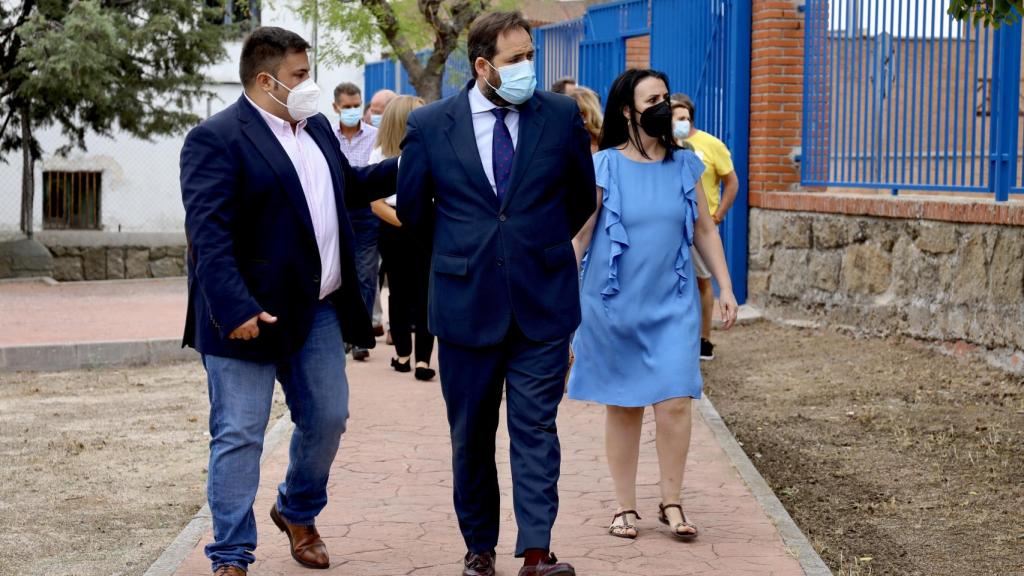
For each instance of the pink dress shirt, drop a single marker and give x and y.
(315, 177)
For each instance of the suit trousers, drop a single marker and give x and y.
(532, 377)
(241, 392)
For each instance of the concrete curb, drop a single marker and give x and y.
(74, 356)
(181, 547)
(795, 540)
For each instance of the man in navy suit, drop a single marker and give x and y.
(505, 179)
(272, 287)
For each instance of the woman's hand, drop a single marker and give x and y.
(728, 308)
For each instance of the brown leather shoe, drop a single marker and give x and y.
(549, 566)
(479, 564)
(307, 547)
(226, 570)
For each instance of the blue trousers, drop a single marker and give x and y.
(316, 390)
(532, 375)
(366, 226)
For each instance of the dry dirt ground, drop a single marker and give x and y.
(893, 459)
(100, 469)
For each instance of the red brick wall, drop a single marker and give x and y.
(776, 91)
(638, 52)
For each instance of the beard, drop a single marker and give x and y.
(492, 79)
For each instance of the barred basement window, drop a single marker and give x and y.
(71, 200)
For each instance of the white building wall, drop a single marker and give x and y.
(140, 189)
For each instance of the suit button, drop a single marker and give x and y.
(501, 261)
(502, 218)
(316, 278)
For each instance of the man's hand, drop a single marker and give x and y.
(251, 329)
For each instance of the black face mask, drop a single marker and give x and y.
(657, 120)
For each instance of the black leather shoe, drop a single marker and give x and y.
(479, 564)
(549, 566)
(401, 366)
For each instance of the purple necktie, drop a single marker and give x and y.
(502, 152)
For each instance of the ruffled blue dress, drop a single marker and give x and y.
(639, 341)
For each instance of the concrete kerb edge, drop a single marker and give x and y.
(74, 356)
(183, 545)
(795, 540)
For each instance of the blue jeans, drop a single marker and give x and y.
(316, 390)
(366, 226)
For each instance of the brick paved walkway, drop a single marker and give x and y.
(390, 511)
(77, 312)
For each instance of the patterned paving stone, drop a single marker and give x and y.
(390, 510)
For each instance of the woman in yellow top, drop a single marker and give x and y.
(718, 174)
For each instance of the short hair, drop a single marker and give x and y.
(483, 35)
(348, 89)
(679, 99)
(560, 84)
(263, 50)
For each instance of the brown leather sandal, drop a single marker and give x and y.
(663, 518)
(621, 529)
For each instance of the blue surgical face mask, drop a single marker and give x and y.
(351, 117)
(681, 129)
(375, 120)
(518, 81)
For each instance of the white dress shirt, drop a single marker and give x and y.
(483, 127)
(318, 188)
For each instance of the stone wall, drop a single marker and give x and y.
(116, 262)
(112, 256)
(936, 280)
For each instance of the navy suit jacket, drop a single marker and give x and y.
(251, 246)
(494, 263)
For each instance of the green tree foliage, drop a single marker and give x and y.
(99, 66)
(988, 12)
(404, 26)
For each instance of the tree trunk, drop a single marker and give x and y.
(28, 185)
(428, 86)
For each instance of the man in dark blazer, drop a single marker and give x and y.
(505, 179)
(272, 287)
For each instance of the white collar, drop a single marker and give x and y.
(478, 103)
(275, 123)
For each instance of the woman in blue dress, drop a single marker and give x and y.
(639, 342)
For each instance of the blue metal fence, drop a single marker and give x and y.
(704, 48)
(603, 49)
(390, 75)
(899, 96)
(557, 49)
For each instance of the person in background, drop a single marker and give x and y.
(378, 103)
(356, 138)
(718, 173)
(404, 254)
(372, 116)
(564, 86)
(638, 344)
(590, 108)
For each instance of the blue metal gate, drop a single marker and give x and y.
(557, 49)
(899, 96)
(704, 47)
(603, 50)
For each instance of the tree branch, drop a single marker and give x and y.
(387, 21)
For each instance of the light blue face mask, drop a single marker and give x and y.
(681, 129)
(351, 117)
(375, 120)
(518, 81)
